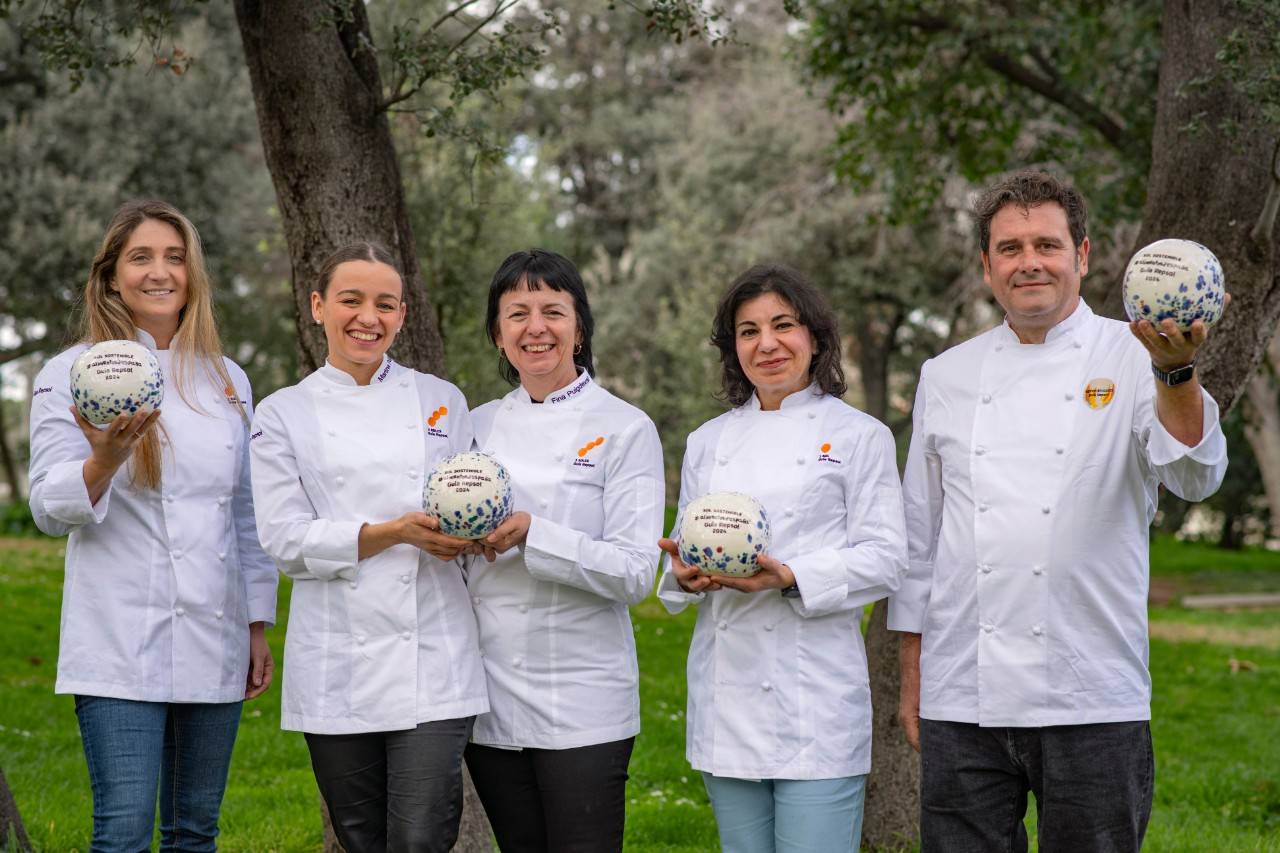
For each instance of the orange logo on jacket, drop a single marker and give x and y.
(1099, 392)
(582, 461)
(230, 393)
(436, 417)
(824, 454)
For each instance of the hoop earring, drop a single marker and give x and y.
(577, 348)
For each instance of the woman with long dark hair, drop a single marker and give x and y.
(779, 718)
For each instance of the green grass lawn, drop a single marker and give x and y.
(1218, 754)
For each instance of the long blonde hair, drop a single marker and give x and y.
(106, 318)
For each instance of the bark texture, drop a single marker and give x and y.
(1262, 428)
(892, 813)
(1211, 185)
(11, 828)
(328, 145)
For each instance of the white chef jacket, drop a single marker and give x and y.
(161, 585)
(388, 642)
(1028, 513)
(778, 686)
(559, 650)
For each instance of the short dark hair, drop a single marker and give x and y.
(812, 310)
(1026, 189)
(361, 250)
(534, 268)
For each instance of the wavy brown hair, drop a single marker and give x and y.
(195, 346)
(1026, 189)
(812, 310)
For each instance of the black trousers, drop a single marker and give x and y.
(554, 800)
(394, 791)
(1093, 786)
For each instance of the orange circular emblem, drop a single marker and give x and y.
(826, 448)
(1099, 392)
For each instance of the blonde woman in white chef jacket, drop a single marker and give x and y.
(779, 718)
(550, 760)
(382, 668)
(167, 592)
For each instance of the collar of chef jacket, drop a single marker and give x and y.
(1074, 322)
(573, 391)
(340, 377)
(794, 400)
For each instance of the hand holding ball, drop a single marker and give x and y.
(1174, 279)
(470, 493)
(724, 533)
(114, 378)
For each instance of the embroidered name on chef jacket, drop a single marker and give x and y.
(385, 372)
(1099, 392)
(824, 455)
(257, 434)
(436, 417)
(583, 460)
(40, 391)
(572, 391)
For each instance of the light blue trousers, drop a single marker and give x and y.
(788, 815)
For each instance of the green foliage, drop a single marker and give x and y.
(16, 520)
(929, 89)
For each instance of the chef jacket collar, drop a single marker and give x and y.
(1071, 324)
(791, 401)
(560, 396)
(338, 376)
(145, 339)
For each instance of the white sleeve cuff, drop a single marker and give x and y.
(551, 550)
(907, 607)
(331, 549)
(66, 497)
(821, 579)
(1163, 449)
(673, 598)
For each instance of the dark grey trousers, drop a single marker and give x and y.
(1092, 783)
(394, 792)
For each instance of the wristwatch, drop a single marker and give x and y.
(792, 591)
(1176, 376)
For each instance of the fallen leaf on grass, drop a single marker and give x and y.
(1237, 665)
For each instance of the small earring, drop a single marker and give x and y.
(577, 348)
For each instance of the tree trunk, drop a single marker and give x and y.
(1262, 428)
(875, 327)
(328, 145)
(11, 828)
(1212, 185)
(893, 791)
(6, 459)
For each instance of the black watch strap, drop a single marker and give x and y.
(792, 591)
(1176, 376)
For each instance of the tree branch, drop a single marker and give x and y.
(24, 348)
(439, 22)
(1262, 235)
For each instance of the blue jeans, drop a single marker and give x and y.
(138, 750)
(788, 815)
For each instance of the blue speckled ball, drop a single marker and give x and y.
(723, 533)
(114, 378)
(1176, 279)
(470, 493)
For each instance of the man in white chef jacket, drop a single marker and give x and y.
(1030, 485)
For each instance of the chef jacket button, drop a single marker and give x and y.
(324, 390)
(404, 579)
(986, 568)
(359, 639)
(769, 626)
(979, 450)
(339, 480)
(221, 501)
(524, 608)
(722, 461)
(410, 426)
(332, 433)
(176, 554)
(1037, 630)
(983, 507)
(1037, 570)
(799, 460)
(1068, 396)
(1077, 345)
(217, 613)
(482, 653)
(404, 383)
(181, 611)
(559, 457)
(999, 347)
(411, 473)
(168, 498)
(986, 398)
(812, 415)
(353, 584)
(544, 503)
(764, 685)
(723, 626)
(517, 661)
(1059, 450)
(222, 555)
(406, 636)
(475, 599)
(508, 407)
(789, 512)
(1046, 509)
(229, 446)
(988, 627)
